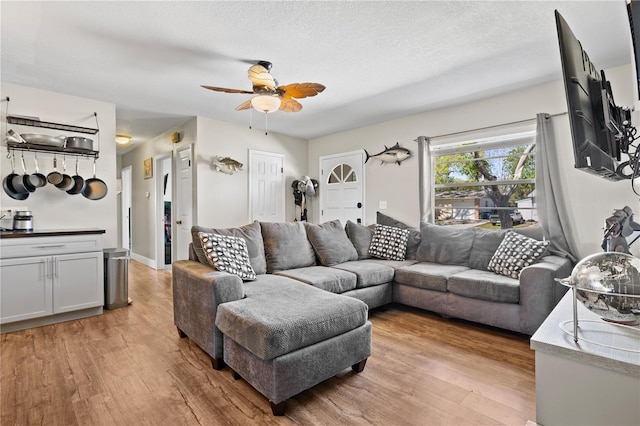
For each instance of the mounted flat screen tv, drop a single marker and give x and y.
(599, 128)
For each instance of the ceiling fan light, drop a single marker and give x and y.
(122, 139)
(266, 103)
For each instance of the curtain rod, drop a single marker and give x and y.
(494, 126)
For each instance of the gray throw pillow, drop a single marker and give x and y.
(250, 233)
(389, 243)
(286, 246)
(227, 254)
(485, 244)
(330, 242)
(360, 237)
(445, 245)
(414, 234)
(515, 253)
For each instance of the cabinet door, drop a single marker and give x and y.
(78, 281)
(25, 288)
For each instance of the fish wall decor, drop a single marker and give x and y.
(225, 165)
(395, 154)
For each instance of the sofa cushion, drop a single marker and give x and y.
(331, 243)
(227, 254)
(414, 234)
(514, 253)
(389, 243)
(484, 285)
(277, 323)
(328, 279)
(252, 236)
(360, 237)
(484, 245)
(445, 245)
(367, 273)
(430, 276)
(286, 246)
(395, 264)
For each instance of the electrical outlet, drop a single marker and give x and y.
(383, 205)
(8, 212)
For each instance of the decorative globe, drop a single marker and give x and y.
(608, 284)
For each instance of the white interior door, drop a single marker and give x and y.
(183, 204)
(266, 186)
(126, 207)
(342, 187)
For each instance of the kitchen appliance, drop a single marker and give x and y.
(23, 220)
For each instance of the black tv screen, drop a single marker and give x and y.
(593, 116)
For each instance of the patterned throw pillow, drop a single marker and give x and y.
(228, 254)
(389, 243)
(514, 253)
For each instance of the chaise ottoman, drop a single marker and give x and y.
(287, 340)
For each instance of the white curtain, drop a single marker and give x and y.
(426, 188)
(550, 204)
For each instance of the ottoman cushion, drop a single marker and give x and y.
(275, 323)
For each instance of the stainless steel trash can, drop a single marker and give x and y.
(116, 282)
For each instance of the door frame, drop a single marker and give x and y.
(322, 183)
(125, 183)
(159, 214)
(180, 251)
(283, 206)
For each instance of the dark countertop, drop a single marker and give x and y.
(48, 233)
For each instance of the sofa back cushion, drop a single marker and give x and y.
(445, 245)
(485, 244)
(414, 235)
(331, 243)
(360, 237)
(286, 246)
(250, 233)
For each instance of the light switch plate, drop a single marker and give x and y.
(383, 205)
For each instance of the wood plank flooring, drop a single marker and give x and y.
(129, 367)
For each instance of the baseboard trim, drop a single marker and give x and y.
(144, 260)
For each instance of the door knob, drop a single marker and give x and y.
(359, 205)
(178, 222)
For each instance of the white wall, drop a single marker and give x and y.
(223, 200)
(51, 207)
(592, 198)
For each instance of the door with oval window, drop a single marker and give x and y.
(342, 187)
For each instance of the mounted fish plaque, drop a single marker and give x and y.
(225, 165)
(395, 154)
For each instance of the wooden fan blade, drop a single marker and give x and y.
(244, 105)
(260, 77)
(225, 90)
(300, 90)
(290, 105)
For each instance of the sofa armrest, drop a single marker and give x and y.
(197, 291)
(539, 291)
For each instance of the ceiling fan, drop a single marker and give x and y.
(270, 96)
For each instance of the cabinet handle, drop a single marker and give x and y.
(52, 246)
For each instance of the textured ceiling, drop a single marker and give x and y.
(379, 60)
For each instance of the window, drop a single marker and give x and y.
(491, 179)
(342, 173)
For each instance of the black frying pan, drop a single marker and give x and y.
(55, 177)
(7, 184)
(78, 182)
(94, 188)
(21, 183)
(67, 182)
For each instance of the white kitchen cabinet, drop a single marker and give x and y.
(48, 279)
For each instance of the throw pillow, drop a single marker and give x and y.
(514, 253)
(251, 235)
(227, 254)
(414, 234)
(360, 237)
(286, 246)
(330, 242)
(389, 243)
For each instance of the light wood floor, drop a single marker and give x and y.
(129, 367)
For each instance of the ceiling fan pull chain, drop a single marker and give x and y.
(266, 123)
(250, 118)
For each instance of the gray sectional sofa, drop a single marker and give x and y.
(285, 328)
